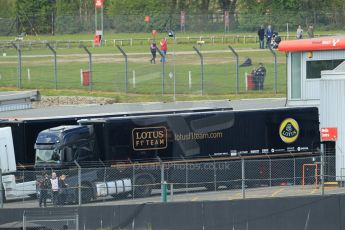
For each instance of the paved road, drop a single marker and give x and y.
(202, 195)
(73, 110)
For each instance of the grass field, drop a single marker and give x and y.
(108, 71)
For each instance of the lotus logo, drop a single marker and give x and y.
(289, 130)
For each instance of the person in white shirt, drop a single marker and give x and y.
(54, 181)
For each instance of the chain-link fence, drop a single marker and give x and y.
(206, 179)
(209, 72)
(39, 219)
(219, 21)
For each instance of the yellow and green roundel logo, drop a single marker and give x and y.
(289, 130)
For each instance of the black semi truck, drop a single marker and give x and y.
(25, 130)
(179, 137)
(23, 134)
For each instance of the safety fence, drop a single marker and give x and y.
(199, 70)
(206, 179)
(83, 21)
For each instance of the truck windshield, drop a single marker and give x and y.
(48, 156)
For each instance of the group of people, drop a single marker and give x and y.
(262, 32)
(163, 47)
(53, 186)
(310, 32)
(272, 37)
(259, 77)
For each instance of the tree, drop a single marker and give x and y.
(7, 9)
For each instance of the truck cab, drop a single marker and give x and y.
(61, 146)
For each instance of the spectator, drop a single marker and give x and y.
(269, 34)
(259, 77)
(164, 49)
(310, 31)
(153, 49)
(62, 189)
(54, 181)
(299, 33)
(261, 34)
(43, 186)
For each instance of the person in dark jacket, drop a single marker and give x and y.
(62, 190)
(153, 49)
(259, 77)
(261, 34)
(269, 33)
(43, 186)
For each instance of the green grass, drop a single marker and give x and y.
(219, 79)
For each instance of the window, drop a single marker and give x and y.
(314, 68)
(296, 75)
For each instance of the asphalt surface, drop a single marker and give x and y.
(200, 194)
(90, 109)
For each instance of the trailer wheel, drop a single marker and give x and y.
(123, 195)
(210, 187)
(143, 186)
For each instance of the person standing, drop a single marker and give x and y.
(299, 32)
(164, 49)
(260, 74)
(269, 34)
(153, 49)
(62, 190)
(261, 34)
(310, 31)
(43, 185)
(54, 181)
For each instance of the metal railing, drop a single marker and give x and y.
(214, 72)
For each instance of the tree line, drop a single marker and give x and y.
(74, 16)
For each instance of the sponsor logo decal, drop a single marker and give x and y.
(289, 130)
(149, 138)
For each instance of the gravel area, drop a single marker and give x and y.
(47, 101)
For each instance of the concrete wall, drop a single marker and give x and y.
(314, 212)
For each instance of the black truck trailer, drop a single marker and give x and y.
(25, 130)
(189, 136)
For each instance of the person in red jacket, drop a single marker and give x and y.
(164, 48)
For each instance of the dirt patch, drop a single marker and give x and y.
(47, 101)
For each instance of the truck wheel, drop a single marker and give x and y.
(86, 193)
(3, 195)
(142, 187)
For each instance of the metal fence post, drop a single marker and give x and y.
(237, 64)
(90, 64)
(163, 71)
(215, 175)
(275, 69)
(2, 191)
(186, 177)
(294, 171)
(55, 64)
(19, 67)
(243, 179)
(202, 69)
(322, 172)
(24, 221)
(163, 185)
(77, 221)
(270, 172)
(133, 181)
(126, 67)
(79, 183)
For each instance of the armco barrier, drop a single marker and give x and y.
(317, 213)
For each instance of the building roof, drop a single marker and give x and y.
(313, 44)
